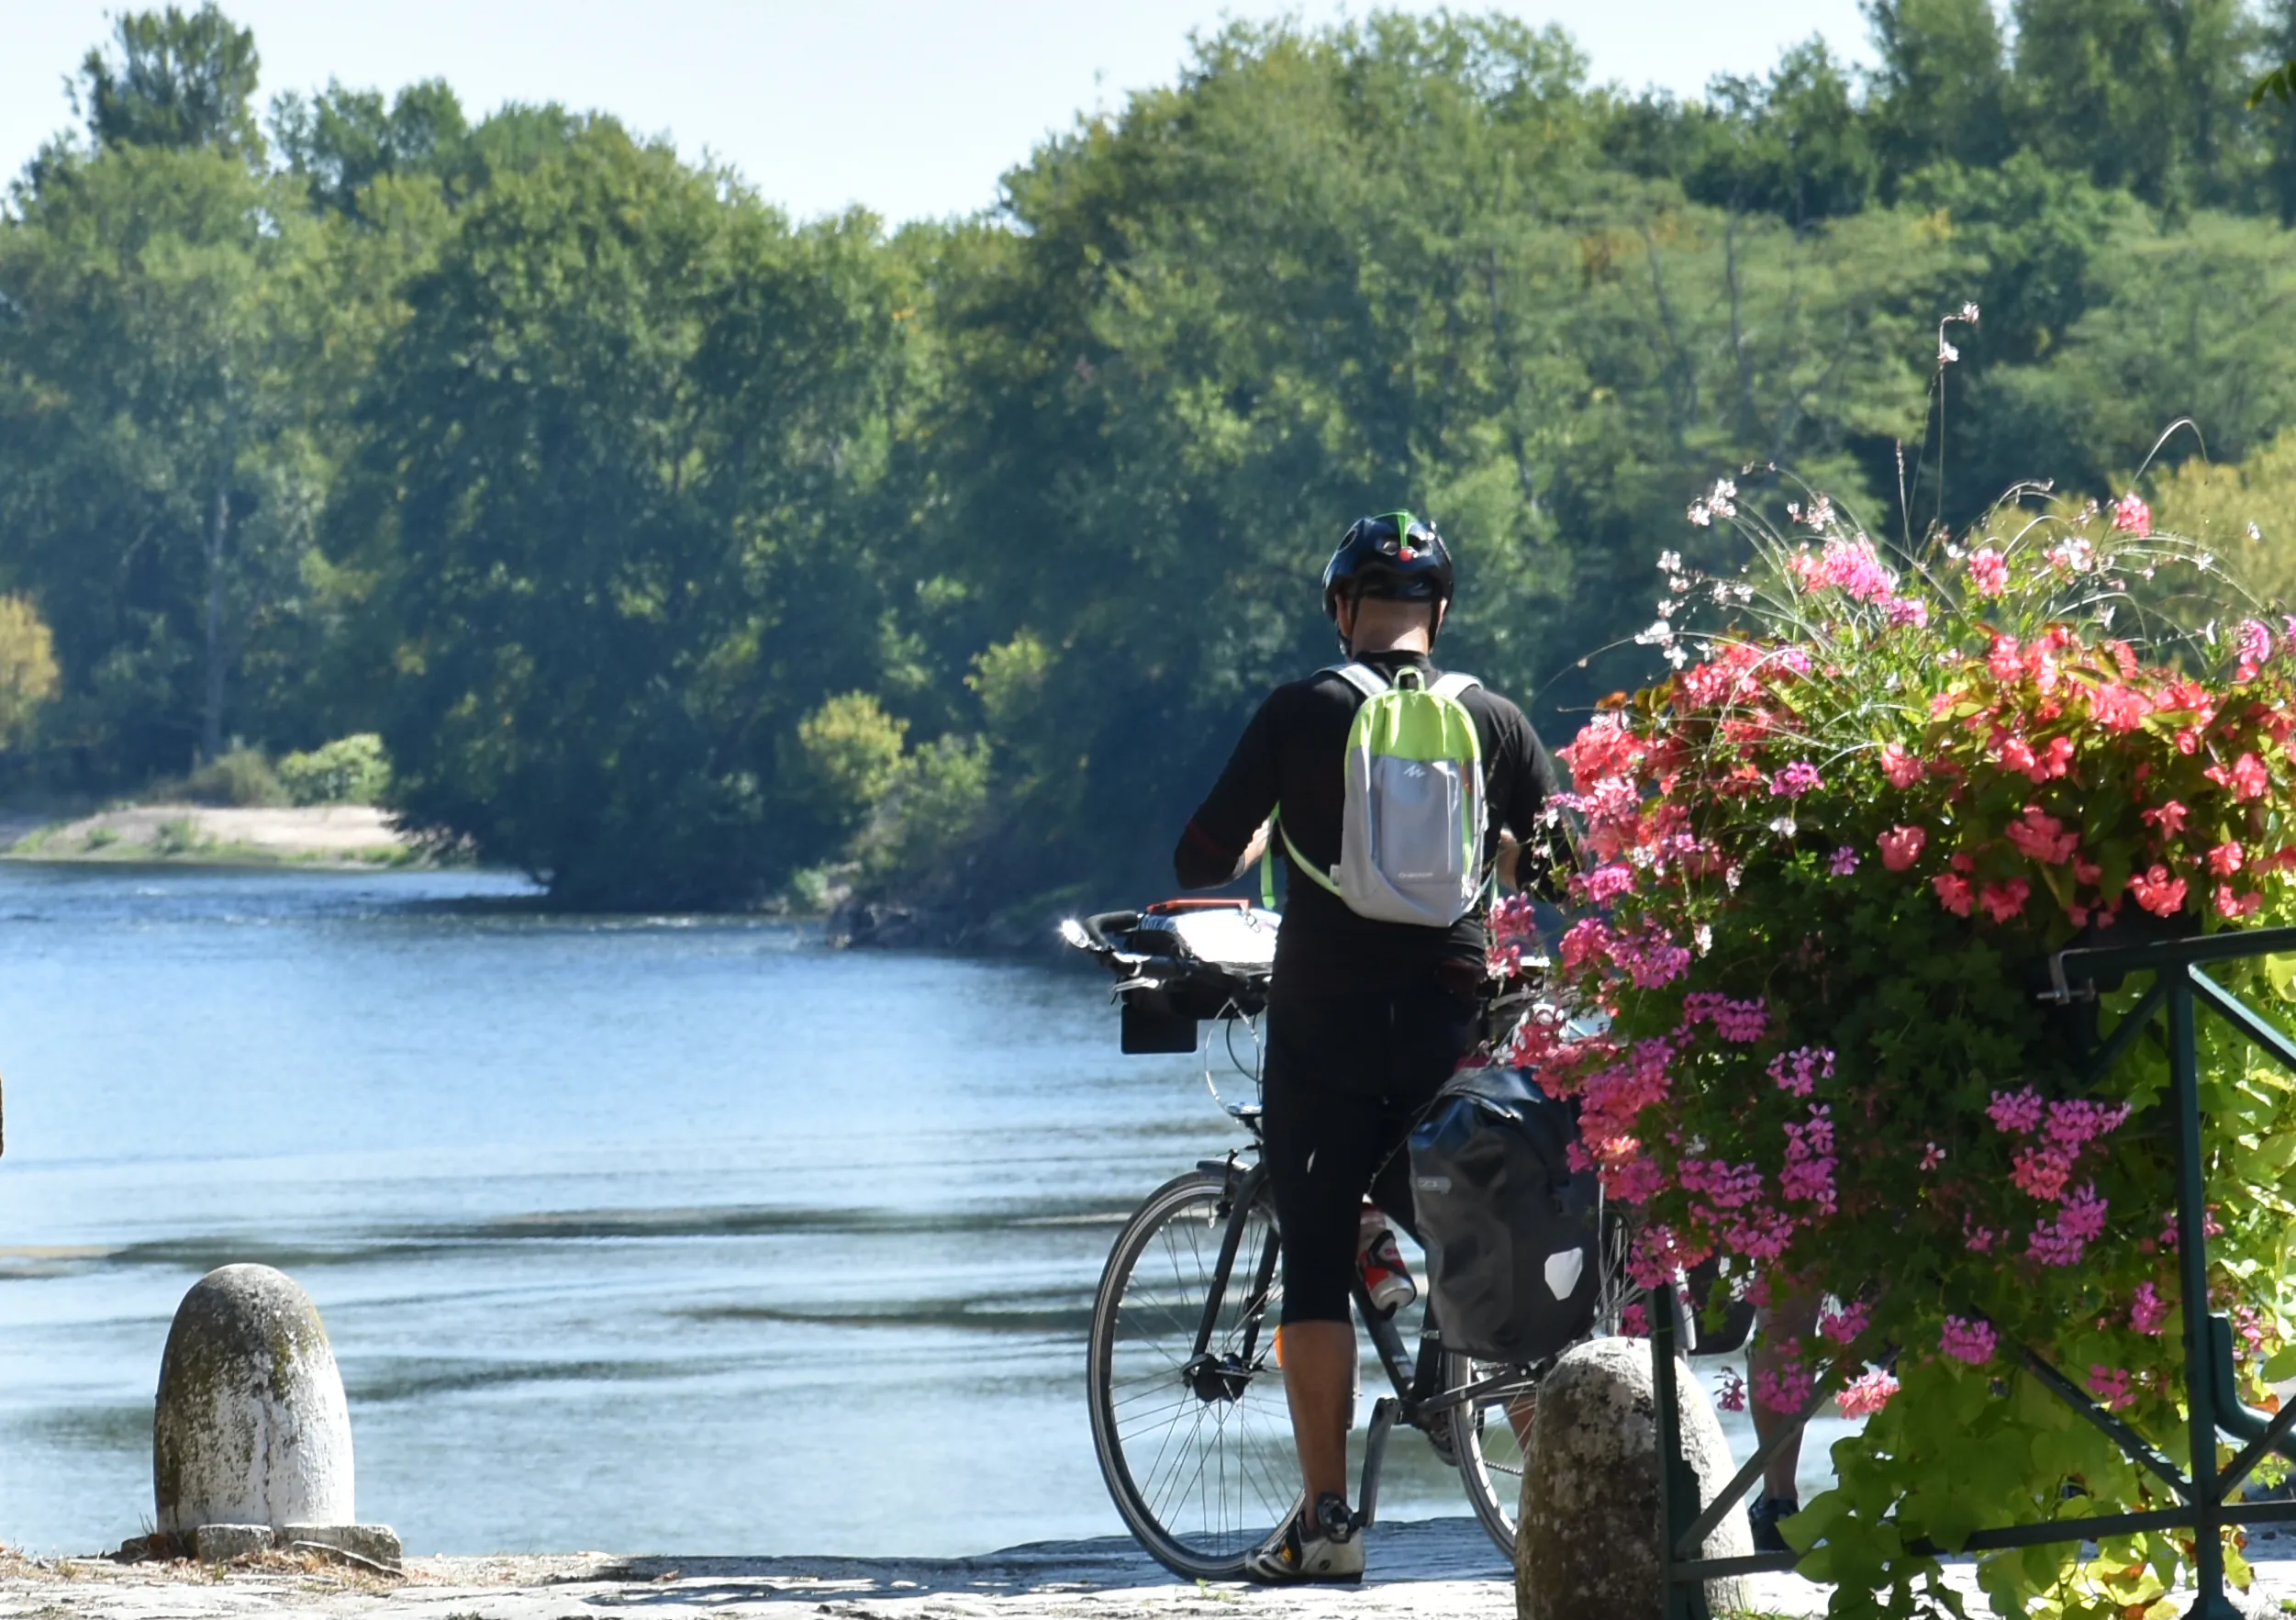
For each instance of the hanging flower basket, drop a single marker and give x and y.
(1831, 853)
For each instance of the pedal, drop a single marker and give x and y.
(1383, 1415)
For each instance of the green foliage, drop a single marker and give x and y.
(1834, 850)
(174, 80)
(590, 483)
(28, 669)
(350, 770)
(241, 778)
(629, 431)
(849, 757)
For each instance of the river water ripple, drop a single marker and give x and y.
(642, 1233)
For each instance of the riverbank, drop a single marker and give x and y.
(353, 835)
(1430, 1569)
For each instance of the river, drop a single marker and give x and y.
(684, 1233)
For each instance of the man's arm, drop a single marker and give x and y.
(1230, 829)
(1537, 847)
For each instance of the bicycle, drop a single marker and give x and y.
(1185, 1377)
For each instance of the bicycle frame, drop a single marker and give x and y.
(1415, 1400)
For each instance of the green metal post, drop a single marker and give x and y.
(2184, 1065)
(1678, 1486)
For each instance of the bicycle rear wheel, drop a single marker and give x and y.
(1488, 1436)
(1196, 1447)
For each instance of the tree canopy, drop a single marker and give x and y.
(680, 553)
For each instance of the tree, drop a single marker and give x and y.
(619, 481)
(2147, 94)
(1796, 146)
(1941, 92)
(341, 141)
(153, 458)
(28, 669)
(174, 80)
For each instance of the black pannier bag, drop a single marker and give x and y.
(1510, 1230)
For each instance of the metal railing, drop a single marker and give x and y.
(2206, 1505)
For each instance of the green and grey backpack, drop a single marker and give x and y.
(1412, 831)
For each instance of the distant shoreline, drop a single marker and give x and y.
(349, 836)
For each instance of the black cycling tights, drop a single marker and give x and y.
(1345, 1080)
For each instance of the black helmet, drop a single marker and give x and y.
(1393, 555)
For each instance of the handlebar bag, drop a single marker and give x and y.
(1510, 1230)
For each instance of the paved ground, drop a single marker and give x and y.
(1439, 1569)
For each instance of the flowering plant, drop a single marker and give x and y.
(1829, 854)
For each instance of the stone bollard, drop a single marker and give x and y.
(1587, 1545)
(251, 1435)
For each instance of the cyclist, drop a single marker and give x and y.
(1366, 1019)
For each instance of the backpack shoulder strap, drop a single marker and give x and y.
(1453, 685)
(1362, 677)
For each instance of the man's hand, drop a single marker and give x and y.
(1509, 860)
(1256, 849)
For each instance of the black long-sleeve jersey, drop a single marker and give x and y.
(1292, 754)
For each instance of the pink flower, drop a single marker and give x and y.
(2003, 900)
(1796, 779)
(1844, 863)
(1953, 892)
(2080, 1220)
(1934, 1157)
(2157, 892)
(2002, 659)
(2118, 708)
(2249, 778)
(1799, 1070)
(1843, 1326)
(1604, 883)
(1634, 1322)
(2110, 1386)
(2042, 1172)
(1902, 846)
(1972, 1341)
(2132, 516)
(1866, 1395)
(1902, 770)
(2043, 838)
(1903, 610)
(2149, 1311)
(1730, 1394)
(1987, 572)
(1734, 1021)
(2169, 818)
(2016, 1114)
(2224, 859)
(2254, 642)
(1849, 566)
(1787, 1387)
(2232, 905)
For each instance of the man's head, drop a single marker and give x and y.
(1389, 583)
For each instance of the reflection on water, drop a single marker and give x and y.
(672, 1233)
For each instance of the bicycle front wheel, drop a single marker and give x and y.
(1194, 1439)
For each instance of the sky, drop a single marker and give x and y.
(913, 108)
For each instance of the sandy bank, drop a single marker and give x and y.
(1434, 1569)
(345, 834)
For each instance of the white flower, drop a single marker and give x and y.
(1785, 827)
(1669, 562)
(1969, 313)
(1821, 513)
(1946, 352)
(1700, 515)
(1677, 655)
(1659, 634)
(2204, 562)
(1702, 937)
(2254, 532)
